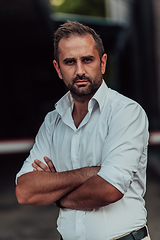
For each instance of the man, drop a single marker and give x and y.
(90, 154)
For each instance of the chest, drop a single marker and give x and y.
(72, 149)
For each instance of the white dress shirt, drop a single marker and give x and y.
(113, 135)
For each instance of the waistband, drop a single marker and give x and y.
(134, 235)
(138, 234)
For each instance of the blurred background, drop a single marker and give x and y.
(30, 87)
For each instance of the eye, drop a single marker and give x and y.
(69, 62)
(87, 59)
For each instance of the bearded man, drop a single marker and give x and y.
(90, 154)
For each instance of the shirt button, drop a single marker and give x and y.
(75, 157)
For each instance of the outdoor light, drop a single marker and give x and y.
(57, 2)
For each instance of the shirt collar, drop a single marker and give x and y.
(67, 101)
(99, 96)
(64, 103)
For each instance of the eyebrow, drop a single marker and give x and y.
(88, 57)
(68, 59)
(82, 58)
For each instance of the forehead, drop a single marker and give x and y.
(77, 45)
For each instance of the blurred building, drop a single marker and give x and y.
(142, 18)
(29, 84)
(156, 11)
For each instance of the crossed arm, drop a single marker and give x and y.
(80, 189)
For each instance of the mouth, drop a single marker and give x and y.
(81, 82)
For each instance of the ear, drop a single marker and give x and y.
(56, 65)
(103, 63)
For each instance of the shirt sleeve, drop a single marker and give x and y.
(125, 147)
(41, 147)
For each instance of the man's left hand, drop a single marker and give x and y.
(40, 166)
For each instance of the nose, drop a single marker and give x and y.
(80, 68)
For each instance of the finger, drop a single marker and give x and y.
(40, 166)
(50, 164)
(36, 167)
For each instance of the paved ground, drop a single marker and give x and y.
(37, 223)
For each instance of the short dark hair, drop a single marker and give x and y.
(71, 28)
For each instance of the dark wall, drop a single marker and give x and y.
(29, 83)
(138, 61)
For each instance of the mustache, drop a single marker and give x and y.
(82, 77)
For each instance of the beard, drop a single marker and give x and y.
(82, 93)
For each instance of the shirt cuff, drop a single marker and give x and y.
(116, 177)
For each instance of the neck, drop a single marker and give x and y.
(80, 108)
(79, 111)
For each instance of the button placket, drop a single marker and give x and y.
(74, 149)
